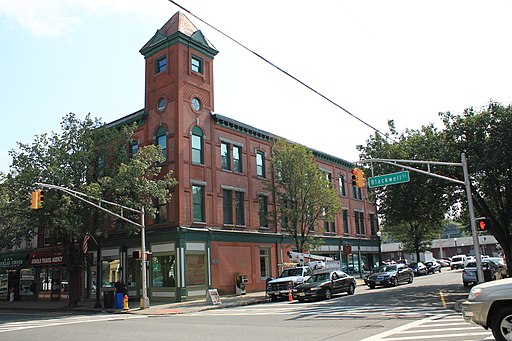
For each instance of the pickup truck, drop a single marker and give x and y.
(289, 278)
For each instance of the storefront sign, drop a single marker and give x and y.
(40, 258)
(13, 261)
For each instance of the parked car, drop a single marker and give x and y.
(389, 275)
(444, 262)
(491, 272)
(458, 262)
(433, 267)
(490, 306)
(500, 262)
(324, 285)
(418, 268)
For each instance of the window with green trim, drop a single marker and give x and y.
(161, 140)
(196, 64)
(197, 145)
(161, 64)
(198, 203)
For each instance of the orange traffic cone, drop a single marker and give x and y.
(290, 296)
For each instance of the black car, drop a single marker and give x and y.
(323, 285)
(390, 275)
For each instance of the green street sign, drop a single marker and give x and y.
(388, 179)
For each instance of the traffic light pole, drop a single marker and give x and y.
(466, 183)
(144, 301)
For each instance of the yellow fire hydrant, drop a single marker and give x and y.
(125, 302)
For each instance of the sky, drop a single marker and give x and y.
(381, 60)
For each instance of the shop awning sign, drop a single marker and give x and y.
(13, 261)
(41, 258)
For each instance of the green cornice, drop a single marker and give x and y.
(160, 41)
(137, 116)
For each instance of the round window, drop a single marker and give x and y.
(161, 104)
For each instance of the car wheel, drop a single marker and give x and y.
(351, 289)
(466, 284)
(327, 294)
(410, 279)
(273, 298)
(372, 286)
(301, 300)
(501, 325)
(394, 282)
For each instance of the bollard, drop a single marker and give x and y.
(125, 302)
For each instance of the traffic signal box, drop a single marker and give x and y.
(137, 254)
(483, 224)
(357, 178)
(37, 199)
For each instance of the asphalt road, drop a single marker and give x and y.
(372, 314)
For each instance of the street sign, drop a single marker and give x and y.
(388, 179)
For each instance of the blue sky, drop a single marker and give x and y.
(401, 60)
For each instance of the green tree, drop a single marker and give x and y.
(485, 135)
(411, 212)
(89, 158)
(304, 196)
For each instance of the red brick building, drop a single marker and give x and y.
(214, 227)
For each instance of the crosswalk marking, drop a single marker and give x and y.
(19, 325)
(444, 327)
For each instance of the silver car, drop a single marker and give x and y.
(490, 306)
(490, 270)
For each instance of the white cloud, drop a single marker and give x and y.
(57, 17)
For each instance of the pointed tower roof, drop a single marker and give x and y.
(178, 28)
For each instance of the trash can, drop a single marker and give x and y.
(118, 300)
(108, 299)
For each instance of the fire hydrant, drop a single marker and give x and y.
(125, 302)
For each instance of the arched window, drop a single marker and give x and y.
(197, 145)
(161, 140)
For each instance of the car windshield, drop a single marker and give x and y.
(471, 265)
(292, 272)
(457, 259)
(386, 268)
(413, 265)
(318, 278)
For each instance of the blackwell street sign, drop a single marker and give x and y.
(388, 179)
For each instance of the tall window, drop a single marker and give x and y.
(265, 271)
(227, 198)
(161, 140)
(225, 156)
(359, 221)
(161, 215)
(263, 213)
(134, 148)
(345, 222)
(260, 164)
(341, 185)
(161, 64)
(357, 193)
(196, 64)
(197, 145)
(328, 177)
(237, 159)
(198, 203)
(239, 208)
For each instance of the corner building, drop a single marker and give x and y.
(215, 227)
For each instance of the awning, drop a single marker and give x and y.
(46, 257)
(13, 261)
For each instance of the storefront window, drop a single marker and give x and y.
(164, 271)
(132, 271)
(195, 269)
(109, 271)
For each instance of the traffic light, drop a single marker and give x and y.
(137, 254)
(37, 199)
(357, 178)
(484, 224)
(41, 198)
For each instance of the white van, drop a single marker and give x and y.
(458, 262)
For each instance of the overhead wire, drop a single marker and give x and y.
(283, 71)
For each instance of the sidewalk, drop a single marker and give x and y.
(156, 308)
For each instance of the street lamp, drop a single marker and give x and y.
(455, 241)
(379, 234)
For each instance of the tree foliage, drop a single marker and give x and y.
(304, 196)
(87, 157)
(484, 136)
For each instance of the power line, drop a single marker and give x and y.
(280, 69)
